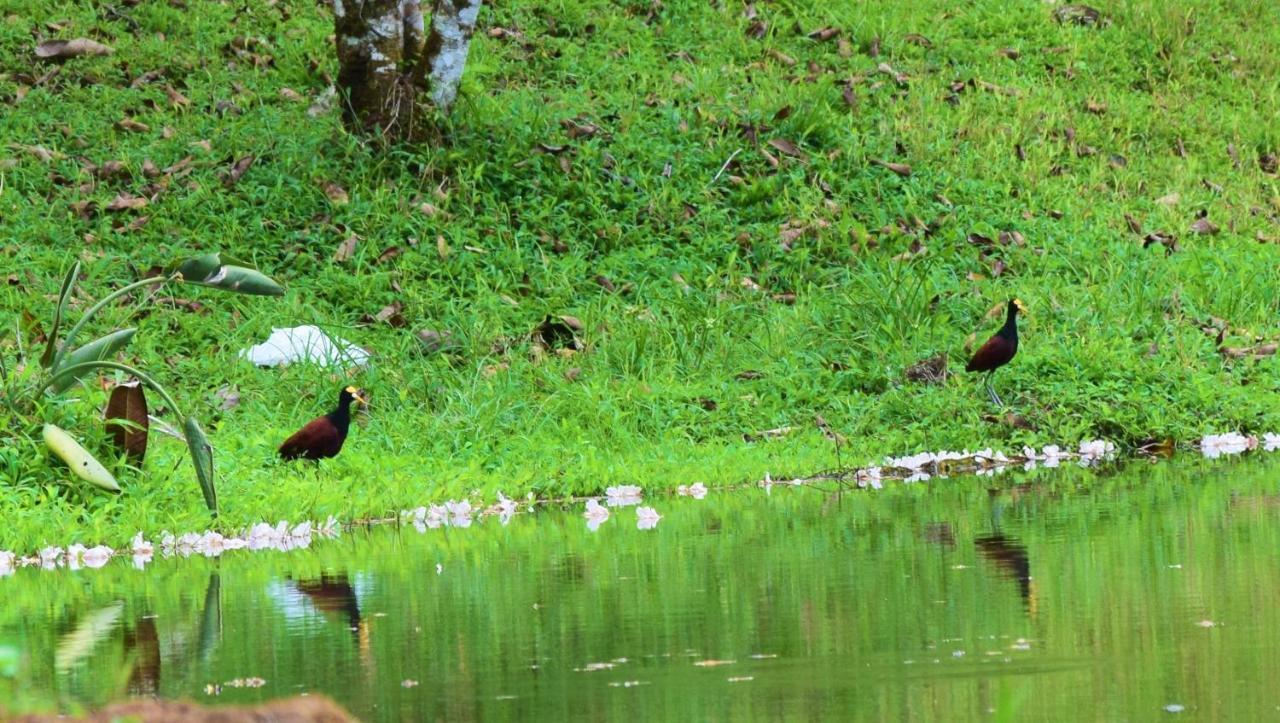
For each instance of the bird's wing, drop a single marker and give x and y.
(301, 440)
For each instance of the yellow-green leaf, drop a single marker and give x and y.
(82, 464)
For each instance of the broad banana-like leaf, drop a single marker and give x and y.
(96, 350)
(215, 270)
(91, 630)
(127, 422)
(202, 458)
(82, 464)
(68, 283)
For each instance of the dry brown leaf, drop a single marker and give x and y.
(176, 99)
(127, 202)
(1169, 200)
(928, 371)
(786, 147)
(346, 249)
(291, 95)
(132, 126)
(434, 341)
(237, 170)
(901, 169)
(1078, 15)
(59, 49)
(388, 254)
(126, 420)
(336, 194)
(1204, 227)
(824, 34)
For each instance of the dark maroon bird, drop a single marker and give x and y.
(322, 437)
(998, 350)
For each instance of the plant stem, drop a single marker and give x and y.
(124, 368)
(71, 335)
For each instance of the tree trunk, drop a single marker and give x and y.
(391, 73)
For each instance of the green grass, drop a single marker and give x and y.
(1114, 345)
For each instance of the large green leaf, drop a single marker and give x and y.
(216, 270)
(96, 350)
(46, 359)
(202, 458)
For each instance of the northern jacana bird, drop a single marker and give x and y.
(322, 437)
(998, 350)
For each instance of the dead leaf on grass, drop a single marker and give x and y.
(929, 371)
(901, 169)
(62, 49)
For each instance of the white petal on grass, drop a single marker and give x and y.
(8, 563)
(596, 514)
(1270, 442)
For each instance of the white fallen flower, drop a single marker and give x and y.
(1217, 445)
(211, 544)
(141, 546)
(302, 530)
(596, 514)
(97, 556)
(869, 477)
(330, 529)
(1095, 450)
(506, 508)
(74, 552)
(697, 490)
(8, 563)
(913, 462)
(459, 513)
(188, 542)
(647, 518)
(622, 495)
(50, 557)
(1270, 442)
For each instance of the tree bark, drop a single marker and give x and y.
(391, 72)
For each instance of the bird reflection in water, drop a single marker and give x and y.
(1010, 557)
(336, 598)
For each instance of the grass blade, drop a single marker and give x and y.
(68, 283)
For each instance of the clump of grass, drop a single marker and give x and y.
(700, 189)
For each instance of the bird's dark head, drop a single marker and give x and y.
(1016, 307)
(350, 393)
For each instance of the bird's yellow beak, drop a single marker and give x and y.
(358, 395)
(1022, 308)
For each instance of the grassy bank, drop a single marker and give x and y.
(800, 279)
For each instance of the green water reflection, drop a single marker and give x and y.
(1044, 596)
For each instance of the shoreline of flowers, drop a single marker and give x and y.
(461, 513)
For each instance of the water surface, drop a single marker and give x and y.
(1051, 595)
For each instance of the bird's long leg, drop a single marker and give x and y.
(995, 398)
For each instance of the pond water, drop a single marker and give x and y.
(1135, 593)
